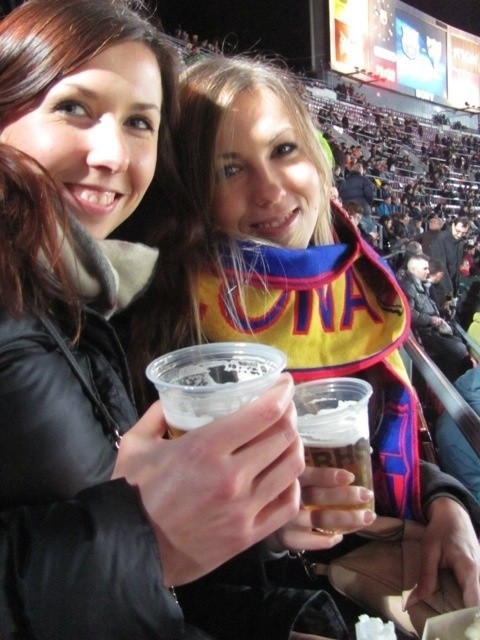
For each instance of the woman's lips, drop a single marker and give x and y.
(103, 198)
(93, 200)
(275, 226)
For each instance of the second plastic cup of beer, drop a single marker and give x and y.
(198, 384)
(333, 426)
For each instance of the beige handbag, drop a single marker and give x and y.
(381, 575)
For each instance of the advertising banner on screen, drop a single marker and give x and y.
(348, 29)
(383, 55)
(464, 66)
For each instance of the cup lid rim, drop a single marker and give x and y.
(216, 349)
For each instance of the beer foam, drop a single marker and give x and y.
(316, 429)
(221, 372)
(185, 422)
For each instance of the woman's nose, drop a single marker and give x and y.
(107, 146)
(267, 186)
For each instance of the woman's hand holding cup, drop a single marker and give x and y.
(217, 490)
(313, 530)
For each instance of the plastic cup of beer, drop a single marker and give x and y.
(333, 426)
(201, 383)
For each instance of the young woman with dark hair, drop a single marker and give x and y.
(100, 515)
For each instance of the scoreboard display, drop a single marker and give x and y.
(404, 49)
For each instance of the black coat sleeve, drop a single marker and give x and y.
(368, 190)
(436, 483)
(84, 568)
(52, 442)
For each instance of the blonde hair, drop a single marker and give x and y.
(208, 89)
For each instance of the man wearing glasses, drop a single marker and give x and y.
(448, 247)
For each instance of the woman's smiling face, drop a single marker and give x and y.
(266, 186)
(96, 132)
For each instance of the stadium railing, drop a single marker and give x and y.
(429, 381)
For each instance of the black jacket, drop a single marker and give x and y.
(54, 444)
(450, 252)
(422, 307)
(359, 188)
(49, 429)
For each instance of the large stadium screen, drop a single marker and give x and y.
(464, 69)
(421, 55)
(389, 42)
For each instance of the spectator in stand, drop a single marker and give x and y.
(415, 226)
(435, 334)
(434, 227)
(411, 248)
(408, 191)
(385, 208)
(377, 170)
(334, 196)
(469, 266)
(338, 176)
(349, 162)
(468, 306)
(401, 205)
(400, 226)
(359, 188)
(389, 240)
(476, 255)
(355, 213)
(437, 292)
(384, 190)
(441, 211)
(457, 457)
(474, 333)
(448, 247)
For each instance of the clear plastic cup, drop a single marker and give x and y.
(198, 384)
(333, 426)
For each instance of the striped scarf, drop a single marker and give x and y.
(335, 310)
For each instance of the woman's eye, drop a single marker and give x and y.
(140, 122)
(228, 171)
(71, 107)
(286, 148)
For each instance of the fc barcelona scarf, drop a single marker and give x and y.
(335, 310)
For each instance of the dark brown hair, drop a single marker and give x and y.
(32, 219)
(41, 42)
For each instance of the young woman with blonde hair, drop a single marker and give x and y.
(286, 267)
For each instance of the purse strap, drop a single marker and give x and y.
(98, 404)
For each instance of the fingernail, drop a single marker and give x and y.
(344, 477)
(365, 494)
(369, 516)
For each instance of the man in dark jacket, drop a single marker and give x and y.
(434, 228)
(359, 188)
(448, 247)
(448, 351)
